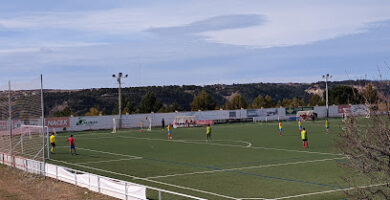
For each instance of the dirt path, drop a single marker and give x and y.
(17, 185)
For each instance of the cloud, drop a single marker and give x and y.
(304, 24)
(220, 21)
(287, 41)
(212, 24)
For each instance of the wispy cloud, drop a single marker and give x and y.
(217, 23)
(179, 42)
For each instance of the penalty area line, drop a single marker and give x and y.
(106, 152)
(104, 161)
(117, 154)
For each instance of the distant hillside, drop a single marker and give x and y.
(106, 99)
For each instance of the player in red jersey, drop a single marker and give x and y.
(71, 141)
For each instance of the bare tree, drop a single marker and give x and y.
(366, 144)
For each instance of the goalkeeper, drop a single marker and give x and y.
(52, 142)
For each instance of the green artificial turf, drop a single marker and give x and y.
(244, 160)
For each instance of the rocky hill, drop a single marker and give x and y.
(106, 99)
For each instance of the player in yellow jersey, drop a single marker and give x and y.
(52, 142)
(327, 126)
(208, 133)
(280, 128)
(305, 143)
(300, 125)
(169, 131)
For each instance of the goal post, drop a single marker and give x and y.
(344, 115)
(113, 125)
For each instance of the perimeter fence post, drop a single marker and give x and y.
(159, 195)
(75, 178)
(126, 190)
(98, 182)
(25, 165)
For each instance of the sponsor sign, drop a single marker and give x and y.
(342, 108)
(271, 112)
(58, 122)
(83, 122)
(204, 122)
(232, 114)
(360, 109)
(252, 113)
(293, 111)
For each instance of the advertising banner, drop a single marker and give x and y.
(204, 122)
(232, 114)
(293, 111)
(252, 113)
(58, 122)
(268, 112)
(342, 108)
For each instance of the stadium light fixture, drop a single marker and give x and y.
(326, 78)
(119, 79)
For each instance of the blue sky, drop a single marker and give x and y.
(80, 43)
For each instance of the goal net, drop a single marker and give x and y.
(21, 123)
(141, 122)
(184, 121)
(344, 115)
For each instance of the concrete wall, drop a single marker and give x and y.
(266, 114)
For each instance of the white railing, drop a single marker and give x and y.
(112, 187)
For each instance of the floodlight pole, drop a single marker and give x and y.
(326, 78)
(119, 79)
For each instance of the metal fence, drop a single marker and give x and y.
(109, 186)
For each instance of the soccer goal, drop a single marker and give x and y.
(184, 121)
(344, 115)
(29, 141)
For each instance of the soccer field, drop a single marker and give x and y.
(243, 161)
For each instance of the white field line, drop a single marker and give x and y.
(323, 192)
(246, 143)
(104, 161)
(210, 143)
(249, 167)
(148, 180)
(117, 154)
(231, 145)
